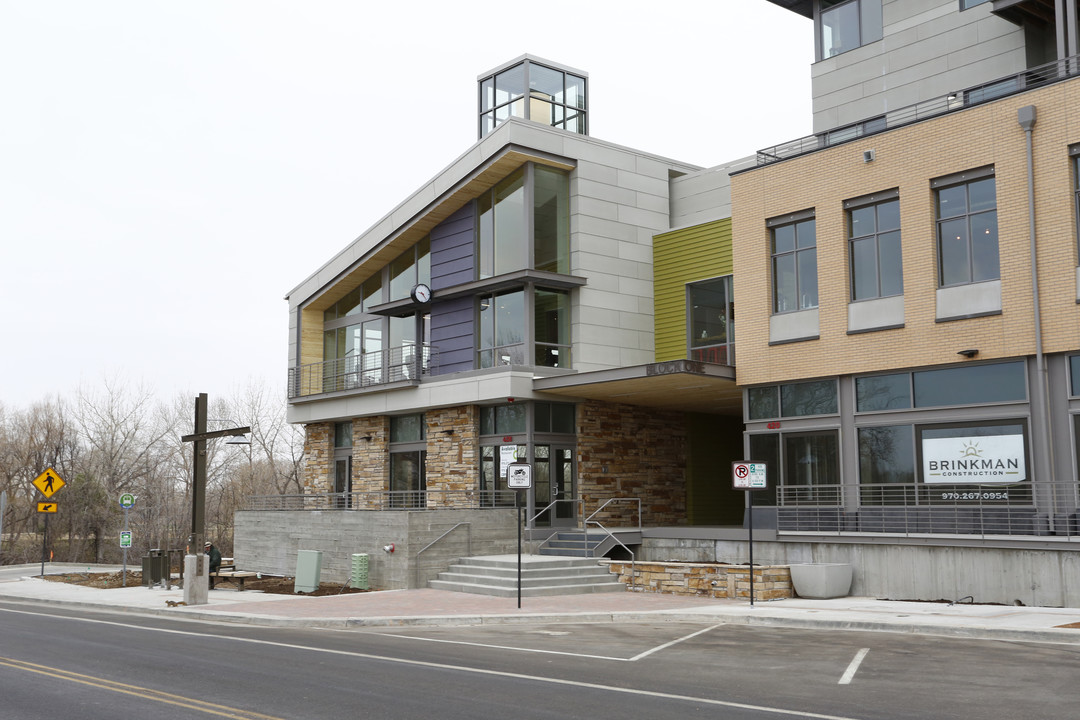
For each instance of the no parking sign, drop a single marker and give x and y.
(749, 476)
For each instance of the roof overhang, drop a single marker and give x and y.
(685, 385)
(1021, 11)
(803, 7)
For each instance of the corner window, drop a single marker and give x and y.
(503, 243)
(710, 317)
(967, 228)
(411, 267)
(847, 24)
(874, 246)
(551, 316)
(501, 327)
(794, 263)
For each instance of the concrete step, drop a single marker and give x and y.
(497, 575)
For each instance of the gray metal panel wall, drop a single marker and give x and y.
(452, 250)
(453, 334)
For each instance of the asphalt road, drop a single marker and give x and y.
(89, 665)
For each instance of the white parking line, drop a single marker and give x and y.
(853, 667)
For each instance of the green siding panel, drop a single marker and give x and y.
(680, 257)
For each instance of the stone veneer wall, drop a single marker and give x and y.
(771, 582)
(318, 458)
(453, 455)
(632, 452)
(371, 463)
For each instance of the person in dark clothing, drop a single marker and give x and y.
(215, 560)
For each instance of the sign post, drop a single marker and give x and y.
(749, 476)
(519, 477)
(48, 484)
(127, 500)
(3, 506)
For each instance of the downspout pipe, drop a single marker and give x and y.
(1026, 117)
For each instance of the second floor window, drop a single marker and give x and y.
(1075, 150)
(794, 264)
(967, 228)
(711, 315)
(848, 24)
(524, 223)
(874, 244)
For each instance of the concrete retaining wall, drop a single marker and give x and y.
(267, 541)
(1043, 577)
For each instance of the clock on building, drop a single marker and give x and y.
(421, 293)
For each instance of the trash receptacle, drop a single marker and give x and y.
(155, 567)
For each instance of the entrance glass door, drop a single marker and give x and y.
(554, 485)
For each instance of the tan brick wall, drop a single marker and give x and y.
(453, 454)
(318, 458)
(634, 452)
(909, 158)
(771, 582)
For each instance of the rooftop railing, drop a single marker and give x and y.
(993, 90)
(366, 370)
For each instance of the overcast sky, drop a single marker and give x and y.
(169, 170)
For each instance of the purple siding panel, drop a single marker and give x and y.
(452, 250)
(453, 334)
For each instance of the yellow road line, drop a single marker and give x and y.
(137, 691)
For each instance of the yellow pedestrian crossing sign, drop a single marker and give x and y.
(49, 482)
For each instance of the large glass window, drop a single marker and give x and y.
(971, 384)
(794, 266)
(874, 242)
(555, 97)
(411, 267)
(1076, 192)
(408, 456)
(551, 316)
(848, 24)
(965, 4)
(816, 397)
(503, 243)
(551, 220)
(883, 392)
(967, 229)
(887, 465)
(711, 315)
(811, 471)
(501, 226)
(1074, 369)
(501, 338)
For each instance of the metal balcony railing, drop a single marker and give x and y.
(1025, 509)
(993, 90)
(390, 500)
(366, 370)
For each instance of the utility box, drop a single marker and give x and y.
(308, 570)
(359, 576)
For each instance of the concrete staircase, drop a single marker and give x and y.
(540, 576)
(575, 543)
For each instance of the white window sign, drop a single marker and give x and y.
(977, 460)
(507, 455)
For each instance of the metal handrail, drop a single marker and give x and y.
(597, 523)
(410, 500)
(976, 95)
(468, 546)
(530, 522)
(370, 369)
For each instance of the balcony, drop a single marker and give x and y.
(995, 89)
(367, 371)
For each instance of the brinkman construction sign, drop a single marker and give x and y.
(974, 460)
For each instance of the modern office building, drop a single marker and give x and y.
(908, 374)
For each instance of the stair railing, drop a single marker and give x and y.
(531, 522)
(468, 546)
(589, 521)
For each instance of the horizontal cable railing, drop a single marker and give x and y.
(392, 500)
(369, 369)
(993, 90)
(1022, 509)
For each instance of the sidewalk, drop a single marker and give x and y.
(440, 607)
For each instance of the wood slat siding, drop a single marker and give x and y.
(453, 249)
(680, 257)
(452, 332)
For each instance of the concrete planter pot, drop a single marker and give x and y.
(820, 581)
